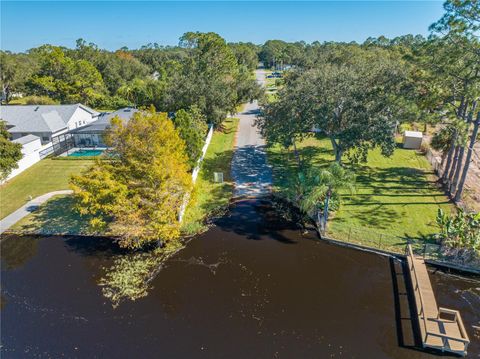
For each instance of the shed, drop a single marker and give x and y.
(412, 139)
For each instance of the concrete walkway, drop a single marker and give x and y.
(28, 208)
(250, 171)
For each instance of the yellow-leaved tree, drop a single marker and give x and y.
(136, 189)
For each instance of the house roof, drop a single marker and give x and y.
(40, 118)
(124, 114)
(100, 125)
(26, 139)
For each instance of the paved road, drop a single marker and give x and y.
(28, 208)
(250, 171)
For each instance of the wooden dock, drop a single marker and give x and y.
(440, 328)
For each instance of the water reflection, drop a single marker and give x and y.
(16, 252)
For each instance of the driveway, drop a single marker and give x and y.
(250, 171)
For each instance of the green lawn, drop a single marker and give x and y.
(56, 216)
(396, 198)
(211, 198)
(45, 176)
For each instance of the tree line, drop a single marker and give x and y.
(202, 71)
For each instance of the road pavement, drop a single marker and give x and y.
(250, 170)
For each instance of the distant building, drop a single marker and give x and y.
(92, 135)
(45, 121)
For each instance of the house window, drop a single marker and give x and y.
(45, 138)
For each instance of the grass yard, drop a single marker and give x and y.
(396, 198)
(209, 198)
(45, 176)
(57, 217)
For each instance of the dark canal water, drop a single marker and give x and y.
(251, 287)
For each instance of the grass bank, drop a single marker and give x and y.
(396, 198)
(210, 198)
(45, 176)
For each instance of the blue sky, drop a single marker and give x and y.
(113, 24)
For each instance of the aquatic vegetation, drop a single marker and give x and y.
(130, 275)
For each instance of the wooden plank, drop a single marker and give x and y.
(438, 333)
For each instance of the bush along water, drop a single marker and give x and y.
(459, 236)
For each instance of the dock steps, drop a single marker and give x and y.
(440, 328)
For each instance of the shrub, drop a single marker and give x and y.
(39, 100)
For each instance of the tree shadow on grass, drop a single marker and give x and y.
(409, 185)
(225, 127)
(56, 216)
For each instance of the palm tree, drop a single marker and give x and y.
(313, 188)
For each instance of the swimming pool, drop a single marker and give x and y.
(86, 153)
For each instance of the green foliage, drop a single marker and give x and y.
(192, 128)
(136, 194)
(315, 190)
(353, 98)
(10, 153)
(203, 71)
(65, 79)
(208, 78)
(39, 100)
(461, 17)
(14, 72)
(278, 53)
(455, 131)
(246, 54)
(459, 231)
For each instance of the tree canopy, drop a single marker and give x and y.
(135, 192)
(10, 153)
(202, 71)
(353, 98)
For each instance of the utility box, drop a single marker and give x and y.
(218, 177)
(412, 140)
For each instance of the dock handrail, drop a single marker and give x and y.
(421, 311)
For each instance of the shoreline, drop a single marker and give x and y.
(445, 266)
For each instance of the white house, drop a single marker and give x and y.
(45, 121)
(31, 147)
(92, 135)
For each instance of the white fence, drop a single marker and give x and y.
(435, 161)
(195, 172)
